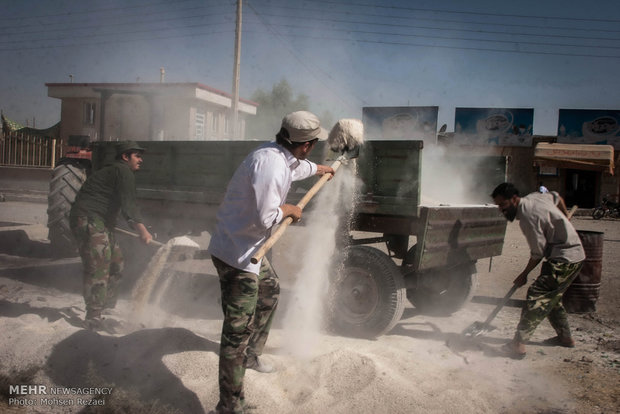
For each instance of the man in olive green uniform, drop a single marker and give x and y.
(93, 216)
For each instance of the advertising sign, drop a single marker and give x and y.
(493, 126)
(589, 126)
(400, 123)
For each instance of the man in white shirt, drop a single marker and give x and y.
(550, 236)
(255, 201)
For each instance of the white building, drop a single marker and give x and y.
(148, 111)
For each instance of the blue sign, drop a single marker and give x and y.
(493, 126)
(589, 126)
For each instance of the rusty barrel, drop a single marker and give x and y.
(582, 294)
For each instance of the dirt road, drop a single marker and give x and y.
(423, 365)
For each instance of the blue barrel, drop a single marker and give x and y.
(582, 294)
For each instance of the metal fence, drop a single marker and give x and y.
(21, 150)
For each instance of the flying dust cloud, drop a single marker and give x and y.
(316, 246)
(452, 176)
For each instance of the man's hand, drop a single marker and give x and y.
(292, 211)
(145, 236)
(324, 169)
(522, 278)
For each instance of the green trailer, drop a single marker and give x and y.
(392, 250)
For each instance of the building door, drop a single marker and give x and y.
(581, 188)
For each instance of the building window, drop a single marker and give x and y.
(200, 126)
(215, 124)
(226, 125)
(89, 113)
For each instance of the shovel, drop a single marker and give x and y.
(171, 251)
(347, 155)
(137, 236)
(478, 328)
(345, 137)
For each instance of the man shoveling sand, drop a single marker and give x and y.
(255, 201)
(107, 193)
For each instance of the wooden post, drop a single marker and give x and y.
(236, 67)
(53, 153)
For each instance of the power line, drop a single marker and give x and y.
(116, 33)
(11, 43)
(521, 42)
(461, 12)
(304, 63)
(480, 49)
(409, 26)
(90, 11)
(103, 42)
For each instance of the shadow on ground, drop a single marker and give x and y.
(131, 364)
(17, 243)
(455, 342)
(14, 310)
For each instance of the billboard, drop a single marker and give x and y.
(493, 126)
(589, 126)
(400, 123)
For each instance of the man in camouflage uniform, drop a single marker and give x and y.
(254, 203)
(93, 216)
(551, 237)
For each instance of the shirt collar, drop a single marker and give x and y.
(291, 161)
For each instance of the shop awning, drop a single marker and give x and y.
(576, 156)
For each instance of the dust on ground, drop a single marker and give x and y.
(423, 365)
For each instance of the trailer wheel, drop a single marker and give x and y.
(367, 293)
(64, 186)
(444, 291)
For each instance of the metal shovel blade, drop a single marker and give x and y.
(478, 328)
(345, 155)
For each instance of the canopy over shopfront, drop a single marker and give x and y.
(575, 156)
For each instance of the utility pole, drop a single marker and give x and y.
(236, 66)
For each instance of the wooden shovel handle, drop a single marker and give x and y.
(275, 236)
(132, 234)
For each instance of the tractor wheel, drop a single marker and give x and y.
(64, 186)
(444, 291)
(367, 293)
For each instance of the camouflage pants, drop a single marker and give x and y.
(249, 302)
(544, 300)
(102, 260)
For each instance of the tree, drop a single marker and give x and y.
(272, 107)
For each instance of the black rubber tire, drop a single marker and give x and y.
(67, 179)
(444, 291)
(598, 213)
(367, 293)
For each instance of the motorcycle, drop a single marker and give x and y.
(607, 209)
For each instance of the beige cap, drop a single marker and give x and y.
(303, 126)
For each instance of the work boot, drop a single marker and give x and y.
(92, 314)
(565, 341)
(257, 364)
(514, 349)
(95, 322)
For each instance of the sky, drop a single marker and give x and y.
(344, 55)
